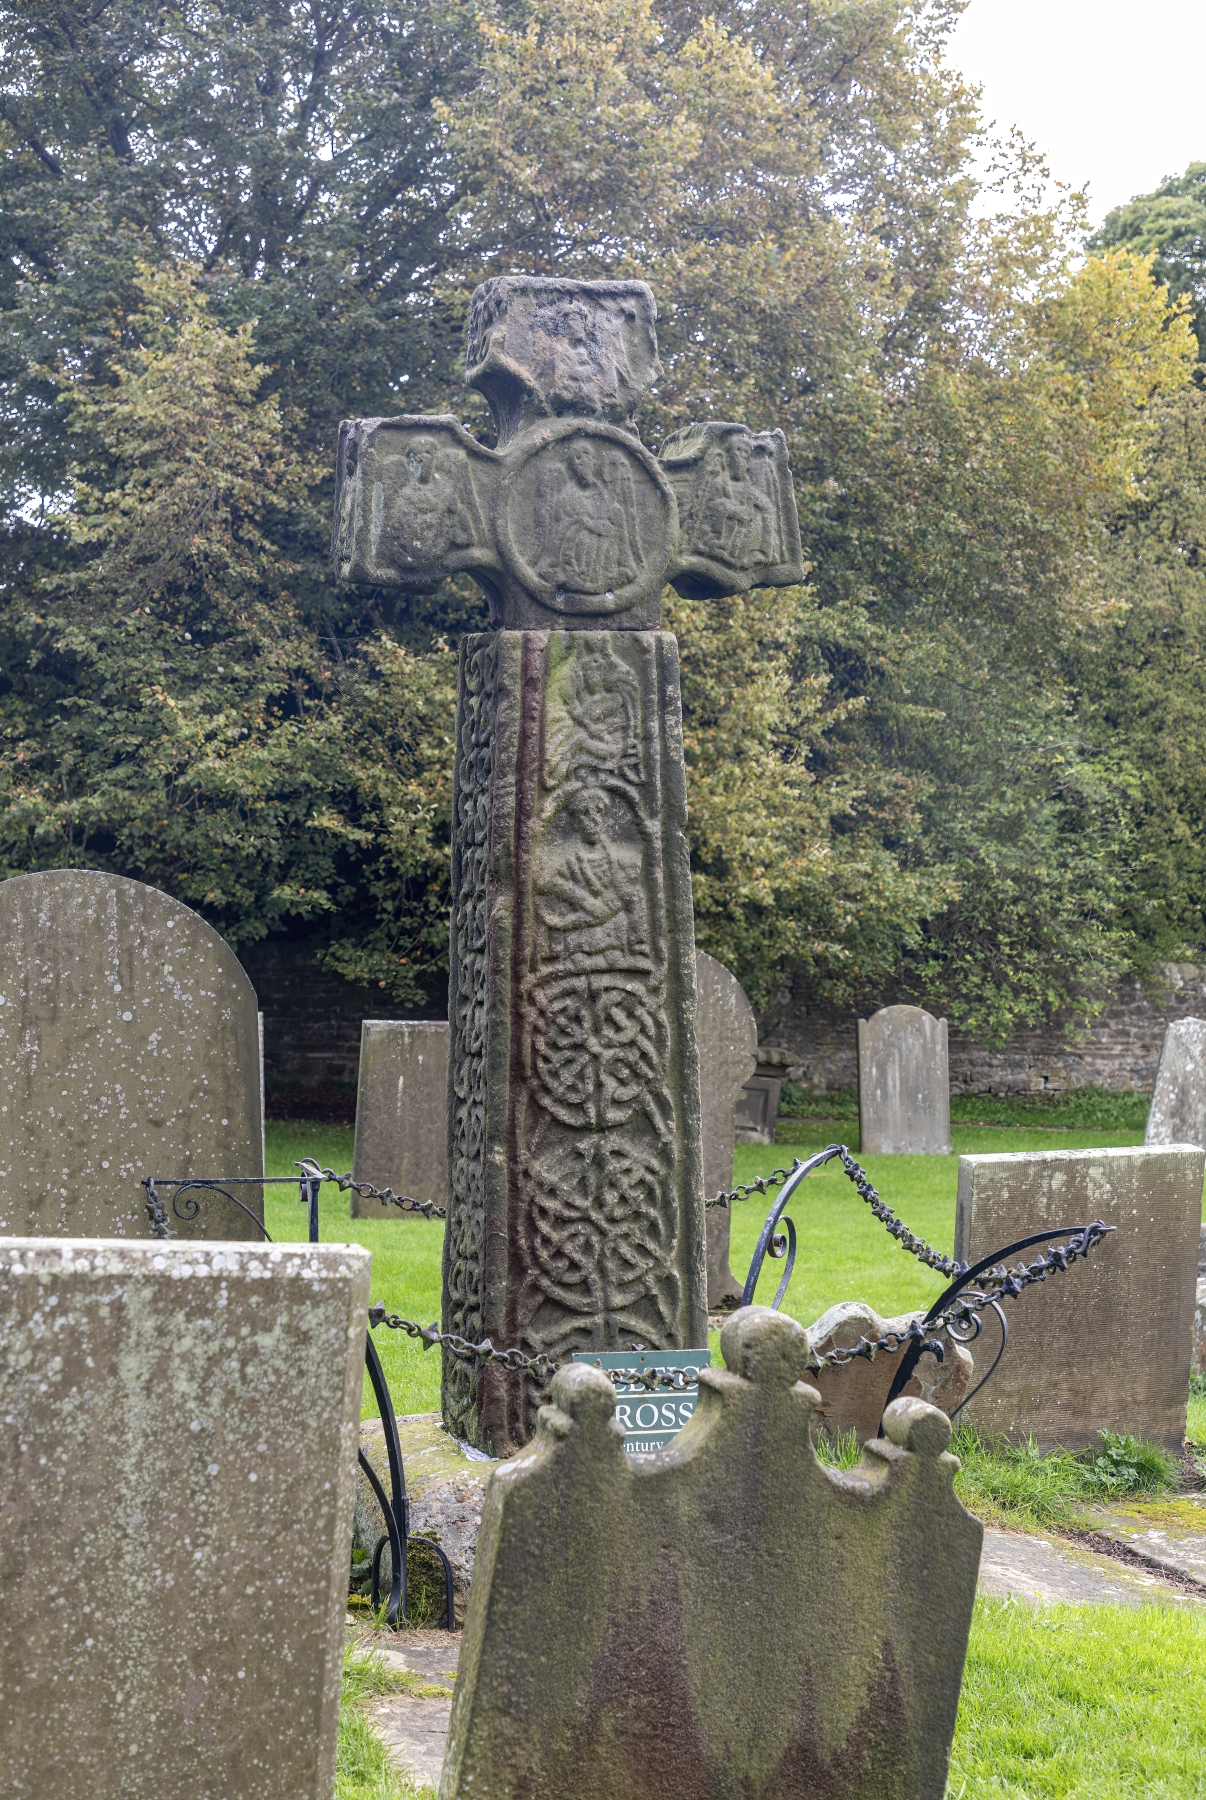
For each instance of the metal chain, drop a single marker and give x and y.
(427, 1208)
(907, 1239)
(1000, 1283)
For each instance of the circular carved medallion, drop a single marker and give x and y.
(586, 518)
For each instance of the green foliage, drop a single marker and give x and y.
(221, 230)
(1126, 1465)
(1170, 226)
(841, 1452)
(1081, 1108)
(1142, 679)
(1081, 1703)
(1017, 1484)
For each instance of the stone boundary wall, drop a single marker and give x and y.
(312, 1032)
(312, 1019)
(1120, 1051)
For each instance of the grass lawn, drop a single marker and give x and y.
(844, 1253)
(1076, 1703)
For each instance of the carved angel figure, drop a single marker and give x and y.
(587, 536)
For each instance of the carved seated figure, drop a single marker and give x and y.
(590, 898)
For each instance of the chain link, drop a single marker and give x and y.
(1000, 1283)
(426, 1208)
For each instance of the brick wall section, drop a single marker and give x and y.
(312, 1033)
(311, 1020)
(1119, 1051)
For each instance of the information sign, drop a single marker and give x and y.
(651, 1416)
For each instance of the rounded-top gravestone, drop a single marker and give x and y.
(129, 1046)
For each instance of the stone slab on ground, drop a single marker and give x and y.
(1177, 1114)
(414, 1727)
(1169, 1534)
(1105, 1346)
(1049, 1571)
(602, 1623)
(178, 1429)
(129, 1046)
(854, 1394)
(401, 1113)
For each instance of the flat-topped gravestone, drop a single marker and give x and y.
(1106, 1346)
(129, 1046)
(575, 1182)
(904, 1087)
(609, 1668)
(1177, 1114)
(401, 1104)
(178, 1429)
(727, 1034)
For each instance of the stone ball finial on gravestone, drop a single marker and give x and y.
(727, 1034)
(1178, 1109)
(129, 1046)
(904, 1086)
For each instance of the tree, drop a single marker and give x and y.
(795, 181)
(179, 706)
(1168, 225)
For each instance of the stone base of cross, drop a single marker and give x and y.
(575, 1204)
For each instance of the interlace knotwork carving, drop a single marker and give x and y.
(596, 1120)
(466, 1212)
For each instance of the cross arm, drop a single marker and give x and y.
(413, 503)
(738, 525)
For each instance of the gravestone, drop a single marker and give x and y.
(129, 1046)
(609, 1668)
(854, 1394)
(574, 1153)
(727, 1034)
(758, 1109)
(904, 1086)
(177, 1456)
(401, 1101)
(1106, 1346)
(1177, 1114)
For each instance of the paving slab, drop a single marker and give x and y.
(415, 1728)
(1169, 1534)
(1049, 1571)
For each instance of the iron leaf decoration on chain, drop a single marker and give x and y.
(958, 1311)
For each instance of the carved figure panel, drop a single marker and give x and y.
(539, 347)
(596, 1123)
(575, 1181)
(570, 519)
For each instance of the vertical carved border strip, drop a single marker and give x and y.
(463, 1305)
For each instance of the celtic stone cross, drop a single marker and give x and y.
(575, 1219)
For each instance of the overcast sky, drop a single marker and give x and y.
(1113, 94)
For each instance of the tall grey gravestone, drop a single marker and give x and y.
(1177, 1114)
(1105, 1346)
(904, 1084)
(575, 1181)
(727, 1033)
(178, 1430)
(129, 1046)
(401, 1131)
